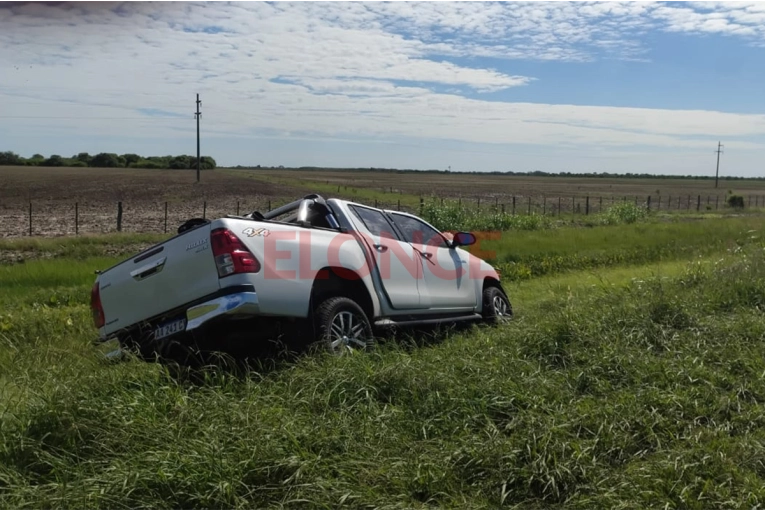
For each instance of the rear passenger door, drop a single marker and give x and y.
(398, 263)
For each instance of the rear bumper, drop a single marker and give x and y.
(230, 305)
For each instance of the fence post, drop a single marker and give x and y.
(698, 204)
(119, 216)
(573, 205)
(399, 204)
(559, 201)
(479, 202)
(600, 205)
(529, 213)
(30, 218)
(375, 203)
(513, 205)
(503, 209)
(648, 203)
(422, 205)
(76, 219)
(269, 200)
(678, 202)
(544, 205)
(204, 209)
(165, 217)
(587, 205)
(237, 207)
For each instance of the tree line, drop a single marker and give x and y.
(531, 173)
(110, 160)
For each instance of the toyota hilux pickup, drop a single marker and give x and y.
(341, 268)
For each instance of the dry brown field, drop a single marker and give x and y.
(491, 185)
(65, 201)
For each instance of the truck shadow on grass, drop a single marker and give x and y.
(243, 354)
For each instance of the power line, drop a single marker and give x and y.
(79, 117)
(717, 172)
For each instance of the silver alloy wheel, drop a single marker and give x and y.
(500, 307)
(347, 332)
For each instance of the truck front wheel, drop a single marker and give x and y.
(342, 326)
(496, 306)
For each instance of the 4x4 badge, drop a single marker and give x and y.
(252, 232)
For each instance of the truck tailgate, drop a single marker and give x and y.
(159, 279)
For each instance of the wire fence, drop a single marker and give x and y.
(56, 218)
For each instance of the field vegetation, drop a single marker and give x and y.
(631, 377)
(108, 160)
(67, 201)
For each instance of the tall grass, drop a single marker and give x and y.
(642, 396)
(452, 215)
(521, 255)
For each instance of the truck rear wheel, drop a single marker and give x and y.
(342, 326)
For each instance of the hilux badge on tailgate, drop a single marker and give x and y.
(198, 242)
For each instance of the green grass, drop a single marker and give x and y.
(526, 254)
(623, 387)
(80, 247)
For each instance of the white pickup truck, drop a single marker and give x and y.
(341, 268)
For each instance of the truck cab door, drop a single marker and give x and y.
(446, 284)
(398, 264)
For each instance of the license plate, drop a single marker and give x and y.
(169, 328)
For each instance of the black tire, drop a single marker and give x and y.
(496, 306)
(346, 316)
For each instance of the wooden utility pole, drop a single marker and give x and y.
(717, 172)
(198, 114)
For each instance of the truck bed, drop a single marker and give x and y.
(161, 278)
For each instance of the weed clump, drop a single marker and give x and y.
(624, 213)
(735, 201)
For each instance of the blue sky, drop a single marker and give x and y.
(558, 86)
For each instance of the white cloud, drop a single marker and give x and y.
(376, 70)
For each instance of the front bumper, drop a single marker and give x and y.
(232, 305)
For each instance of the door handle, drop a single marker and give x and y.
(381, 247)
(149, 269)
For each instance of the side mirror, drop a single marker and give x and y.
(463, 239)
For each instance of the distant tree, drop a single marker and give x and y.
(146, 163)
(180, 163)
(131, 158)
(84, 157)
(54, 160)
(107, 160)
(36, 160)
(110, 160)
(10, 158)
(205, 163)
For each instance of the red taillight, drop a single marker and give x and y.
(231, 254)
(95, 306)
